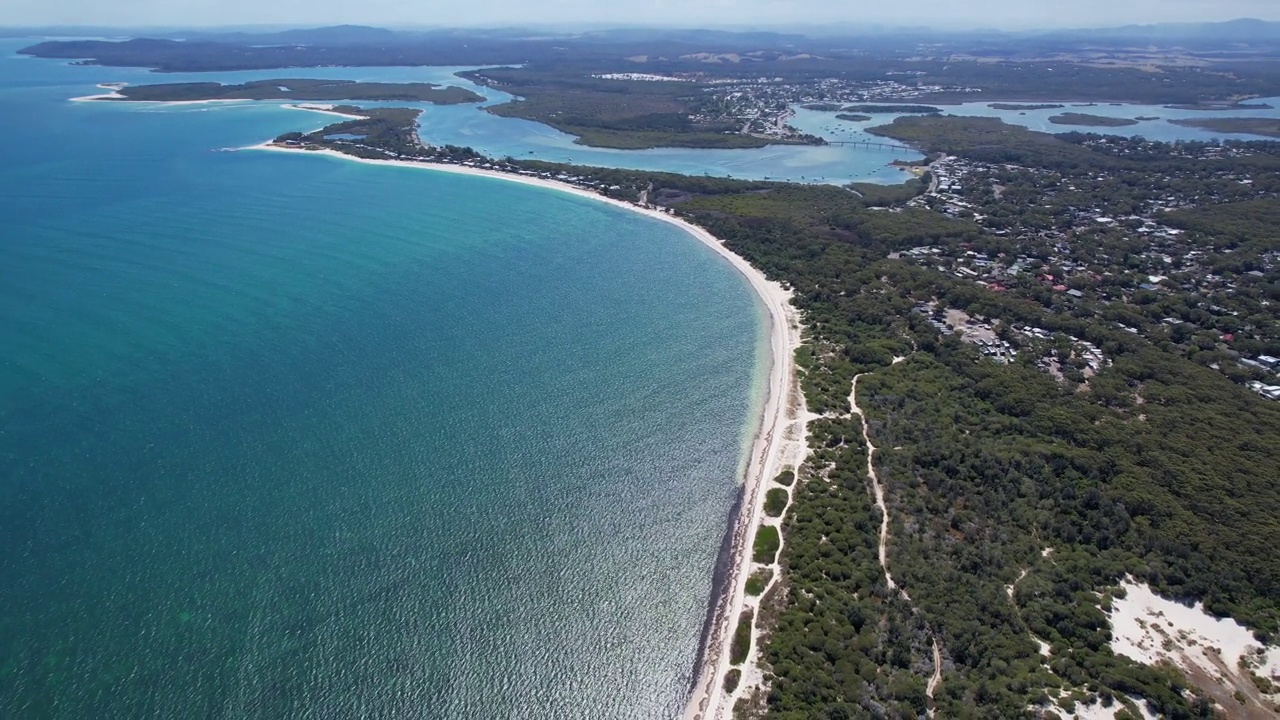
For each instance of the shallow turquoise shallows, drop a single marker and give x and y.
(293, 437)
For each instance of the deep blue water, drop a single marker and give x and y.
(290, 436)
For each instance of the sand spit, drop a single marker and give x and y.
(113, 95)
(780, 440)
(1218, 655)
(322, 109)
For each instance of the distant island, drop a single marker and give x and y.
(1020, 106)
(1226, 105)
(1147, 118)
(853, 118)
(1269, 127)
(1087, 120)
(898, 109)
(296, 89)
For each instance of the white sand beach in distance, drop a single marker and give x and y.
(113, 95)
(779, 442)
(323, 109)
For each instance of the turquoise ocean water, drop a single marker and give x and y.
(295, 437)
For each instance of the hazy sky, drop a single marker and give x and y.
(938, 13)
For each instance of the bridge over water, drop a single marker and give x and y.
(870, 144)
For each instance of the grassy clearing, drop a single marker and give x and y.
(741, 638)
(766, 545)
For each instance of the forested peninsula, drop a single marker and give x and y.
(1035, 448)
(298, 89)
(1268, 127)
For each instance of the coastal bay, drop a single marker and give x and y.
(778, 443)
(490, 456)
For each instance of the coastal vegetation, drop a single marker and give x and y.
(731, 679)
(786, 477)
(1087, 120)
(849, 117)
(1269, 127)
(392, 129)
(767, 542)
(740, 647)
(758, 581)
(301, 90)
(775, 501)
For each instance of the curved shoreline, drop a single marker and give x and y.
(775, 441)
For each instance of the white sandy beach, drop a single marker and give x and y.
(779, 439)
(325, 109)
(113, 95)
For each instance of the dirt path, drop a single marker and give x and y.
(936, 680)
(877, 491)
(876, 487)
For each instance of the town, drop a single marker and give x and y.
(1131, 251)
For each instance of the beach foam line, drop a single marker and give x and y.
(779, 439)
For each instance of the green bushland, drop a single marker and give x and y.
(758, 581)
(775, 502)
(766, 546)
(875, 195)
(731, 679)
(741, 644)
(786, 477)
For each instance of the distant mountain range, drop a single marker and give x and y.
(1244, 30)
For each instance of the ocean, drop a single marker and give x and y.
(289, 436)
